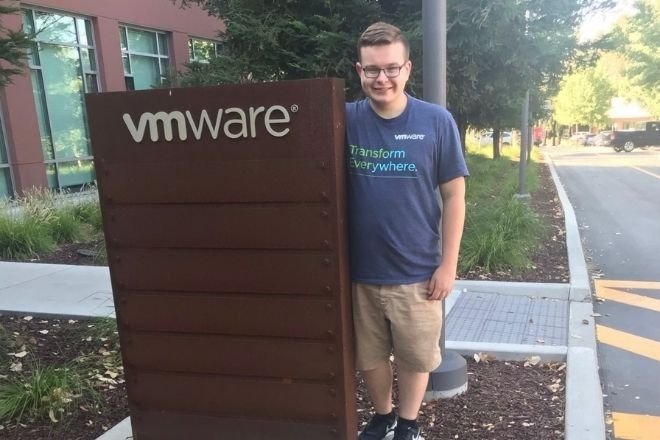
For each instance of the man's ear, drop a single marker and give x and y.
(358, 68)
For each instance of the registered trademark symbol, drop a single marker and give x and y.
(294, 108)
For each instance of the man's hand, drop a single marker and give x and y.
(442, 282)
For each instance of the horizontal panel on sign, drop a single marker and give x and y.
(241, 397)
(167, 425)
(286, 120)
(237, 226)
(233, 356)
(223, 271)
(253, 181)
(251, 315)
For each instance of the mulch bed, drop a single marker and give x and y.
(550, 260)
(58, 342)
(79, 254)
(505, 400)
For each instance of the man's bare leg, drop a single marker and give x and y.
(412, 387)
(379, 387)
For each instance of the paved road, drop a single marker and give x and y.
(617, 202)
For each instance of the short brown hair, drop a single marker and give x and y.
(381, 34)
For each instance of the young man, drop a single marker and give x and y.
(400, 151)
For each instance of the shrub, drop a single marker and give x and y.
(89, 212)
(501, 232)
(500, 237)
(43, 391)
(64, 226)
(22, 237)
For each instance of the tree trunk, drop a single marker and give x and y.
(496, 143)
(462, 125)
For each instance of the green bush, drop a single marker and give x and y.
(38, 221)
(500, 237)
(501, 232)
(45, 391)
(65, 227)
(89, 212)
(23, 237)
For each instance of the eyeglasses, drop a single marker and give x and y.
(390, 72)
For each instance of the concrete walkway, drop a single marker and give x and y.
(511, 321)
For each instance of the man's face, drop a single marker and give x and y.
(384, 90)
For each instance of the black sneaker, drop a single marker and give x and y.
(407, 433)
(379, 428)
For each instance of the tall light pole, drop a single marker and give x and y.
(450, 378)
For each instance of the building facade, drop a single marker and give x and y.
(80, 47)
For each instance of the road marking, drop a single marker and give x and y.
(628, 284)
(629, 342)
(635, 426)
(628, 298)
(646, 172)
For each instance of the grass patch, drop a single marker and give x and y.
(45, 391)
(501, 232)
(23, 237)
(89, 212)
(41, 219)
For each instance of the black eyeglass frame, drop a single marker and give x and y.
(375, 71)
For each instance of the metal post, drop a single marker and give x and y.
(524, 139)
(434, 17)
(450, 378)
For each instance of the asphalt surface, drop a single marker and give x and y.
(616, 197)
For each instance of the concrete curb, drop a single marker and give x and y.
(580, 288)
(585, 417)
(509, 352)
(121, 431)
(535, 290)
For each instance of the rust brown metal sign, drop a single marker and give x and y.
(224, 212)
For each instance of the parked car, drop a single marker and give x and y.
(580, 137)
(629, 140)
(486, 137)
(604, 138)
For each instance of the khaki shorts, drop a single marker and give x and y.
(397, 319)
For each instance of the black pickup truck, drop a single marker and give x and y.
(629, 140)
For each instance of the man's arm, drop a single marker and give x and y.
(453, 218)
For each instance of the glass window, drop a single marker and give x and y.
(5, 173)
(145, 55)
(6, 190)
(63, 71)
(202, 51)
(54, 28)
(163, 45)
(85, 35)
(75, 174)
(142, 41)
(146, 72)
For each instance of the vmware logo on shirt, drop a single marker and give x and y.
(413, 137)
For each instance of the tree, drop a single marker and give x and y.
(13, 47)
(496, 48)
(638, 39)
(268, 40)
(499, 49)
(584, 98)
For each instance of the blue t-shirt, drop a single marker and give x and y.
(394, 168)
